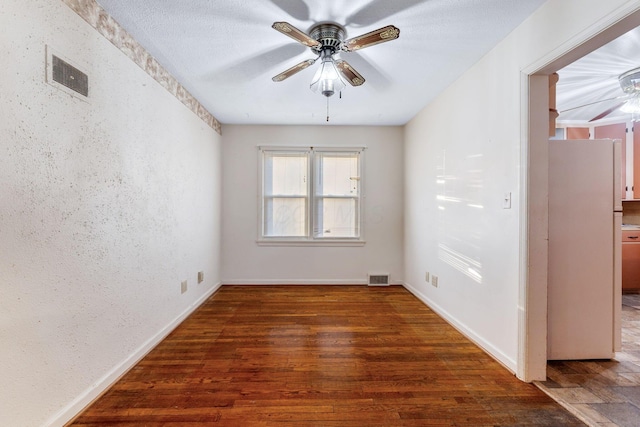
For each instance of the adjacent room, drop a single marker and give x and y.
(165, 165)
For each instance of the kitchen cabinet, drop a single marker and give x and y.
(577, 133)
(631, 261)
(616, 131)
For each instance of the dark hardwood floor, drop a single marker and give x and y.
(320, 356)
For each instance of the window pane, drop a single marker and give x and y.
(336, 217)
(285, 217)
(337, 174)
(285, 174)
(291, 208)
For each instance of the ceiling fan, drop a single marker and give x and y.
(628, 103)
(326, 39)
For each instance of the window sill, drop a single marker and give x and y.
(323, 242)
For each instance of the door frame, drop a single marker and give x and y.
(532, 303)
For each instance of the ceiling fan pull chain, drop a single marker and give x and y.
(327, 109)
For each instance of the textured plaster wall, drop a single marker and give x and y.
(246, 262)
(108, 27)
(105, 206)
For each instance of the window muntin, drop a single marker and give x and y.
(311, 194)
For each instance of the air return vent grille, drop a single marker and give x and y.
(69, 76)
(378, 279)
(66, 76)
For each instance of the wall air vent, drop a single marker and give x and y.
(65, 76)
(69, 76)
(378, 279)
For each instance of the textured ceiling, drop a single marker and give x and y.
(225, 52)
(589, 86)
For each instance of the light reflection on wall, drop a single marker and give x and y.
(460, 219)
(468, 266)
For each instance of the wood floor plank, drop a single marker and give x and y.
(319, 356)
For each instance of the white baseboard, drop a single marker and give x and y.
(335, 282)
(487, 347)
(70, 411)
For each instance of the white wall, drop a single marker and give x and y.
(105, 206)
(460, 161)
(470, 137)
(246, 262)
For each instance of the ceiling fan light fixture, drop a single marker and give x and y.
(327, 79)
(632, 105)
(630, 84)
(326, 39)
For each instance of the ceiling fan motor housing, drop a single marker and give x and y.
(330, 36)
(630, 81)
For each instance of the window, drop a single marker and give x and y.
(310, 195)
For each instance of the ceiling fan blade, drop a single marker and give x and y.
(593, 103)
(297, 9)
(377, 10)
(254, 66)
(293, 70)
(349, 73)
(299, 36)
(375, 77)
(607, 112)
(381, 35)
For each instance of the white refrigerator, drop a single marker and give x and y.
(584, 298)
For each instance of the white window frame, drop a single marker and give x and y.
(310, 238)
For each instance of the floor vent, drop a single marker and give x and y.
(378, 279)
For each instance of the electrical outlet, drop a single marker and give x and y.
(183, 286)
(200, 276)
(434, 281)
(427, 277)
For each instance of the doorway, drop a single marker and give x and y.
(533, 345)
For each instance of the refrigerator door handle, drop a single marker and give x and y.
(617, 176)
